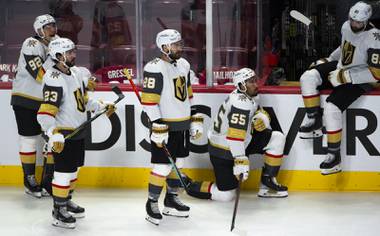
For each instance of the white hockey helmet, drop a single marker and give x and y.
(61, 46)
(167, 37)
(241, 76)
(360, 12)
(41, 21)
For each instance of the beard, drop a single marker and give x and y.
(70, 63)
(175, 56)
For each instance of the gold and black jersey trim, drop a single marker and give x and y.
(27, 101)
(152, 87)
(219, 151)
(178, 124)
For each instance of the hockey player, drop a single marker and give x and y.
(241, 127)
(63, 109)
(26, 99)
(166, 97)
(350, 76)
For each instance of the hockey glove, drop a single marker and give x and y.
(91, 84)
(160, 134)
(339, 77)
(196, 126)
(261, 120)
(318, 62)
(56, 140)
(105, 105)
(241, 166)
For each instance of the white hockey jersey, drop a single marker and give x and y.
(32, 64)
(360, 54)
(167, 93)
(231, 131)
(66, 101)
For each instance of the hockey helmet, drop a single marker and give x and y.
(360, 12)
(241, 76)
(41, 21)
(61, 46)
(167, 37)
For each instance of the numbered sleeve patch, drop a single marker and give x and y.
(238, 124)
(52, 100)
(34, 66)
(152, 88)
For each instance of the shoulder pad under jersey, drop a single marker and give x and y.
(241, 101)
(32, 46)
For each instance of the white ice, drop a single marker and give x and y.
(122, 212)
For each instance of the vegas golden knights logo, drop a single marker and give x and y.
(347, 53)
(80, 100)
(180, 88)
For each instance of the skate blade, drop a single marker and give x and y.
(334, 170)
(168, 211)
(265, 193)
(33, 194)
(152, 220)
(58, 223)
(77, 215)
(311, 135)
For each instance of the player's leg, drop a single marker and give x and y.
(311, 81)
(29, 133)
(173, 205)
(338, 101)
(73, 208)
(64, 169)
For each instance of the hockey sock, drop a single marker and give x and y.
(333, 119)
(61, 187)
(28, 154)
(48, 171)
(272, 163)
(156, 183)
(200, 189)
(270, 170)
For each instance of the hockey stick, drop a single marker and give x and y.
(171, 160)
(300, 17)
(236, 202)
(304, 20)
(162, 24)
(120, 96)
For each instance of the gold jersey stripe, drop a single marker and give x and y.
(236, 133)
(40, 74)
(218, 146)
(176, 119)
(157, 180)
(375, 72)
(150, 98)
(272, 161)
(48, 108)
(27, 96)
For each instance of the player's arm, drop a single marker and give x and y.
(35, 65)
(151, 94)
(335, 55)
(359, 74)
(52, 97)
(238, 120)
